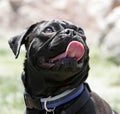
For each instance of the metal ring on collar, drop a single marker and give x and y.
(48, 110)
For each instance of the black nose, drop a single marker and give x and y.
(70, 32)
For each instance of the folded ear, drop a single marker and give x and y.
(16, 42)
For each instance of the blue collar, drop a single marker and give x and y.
(49, 104)
(53, 102)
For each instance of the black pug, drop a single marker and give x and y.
(55, 70)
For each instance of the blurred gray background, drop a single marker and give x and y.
(100, 20)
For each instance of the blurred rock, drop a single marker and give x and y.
(98, 18)
(22, 13)
(15, 4)
(110, 38)
(5, 11)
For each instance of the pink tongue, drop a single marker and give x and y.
(75, 49)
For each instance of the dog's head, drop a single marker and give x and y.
(57, 47)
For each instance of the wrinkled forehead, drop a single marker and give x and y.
(58, 24)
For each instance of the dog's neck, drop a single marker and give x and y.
(40, 83)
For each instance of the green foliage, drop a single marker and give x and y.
(11, 89)
(103, 67)
(105, 77)
(11, 98)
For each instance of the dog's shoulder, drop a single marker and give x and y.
(102, 107)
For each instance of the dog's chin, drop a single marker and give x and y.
(65, 64)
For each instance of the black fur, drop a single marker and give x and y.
(43, 41)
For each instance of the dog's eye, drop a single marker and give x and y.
(48, 30)
(80, 30)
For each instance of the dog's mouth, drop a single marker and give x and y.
(74, 51)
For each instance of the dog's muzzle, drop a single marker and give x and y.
(65, 48)
(74, 50)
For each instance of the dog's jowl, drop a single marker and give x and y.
(55, 69)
